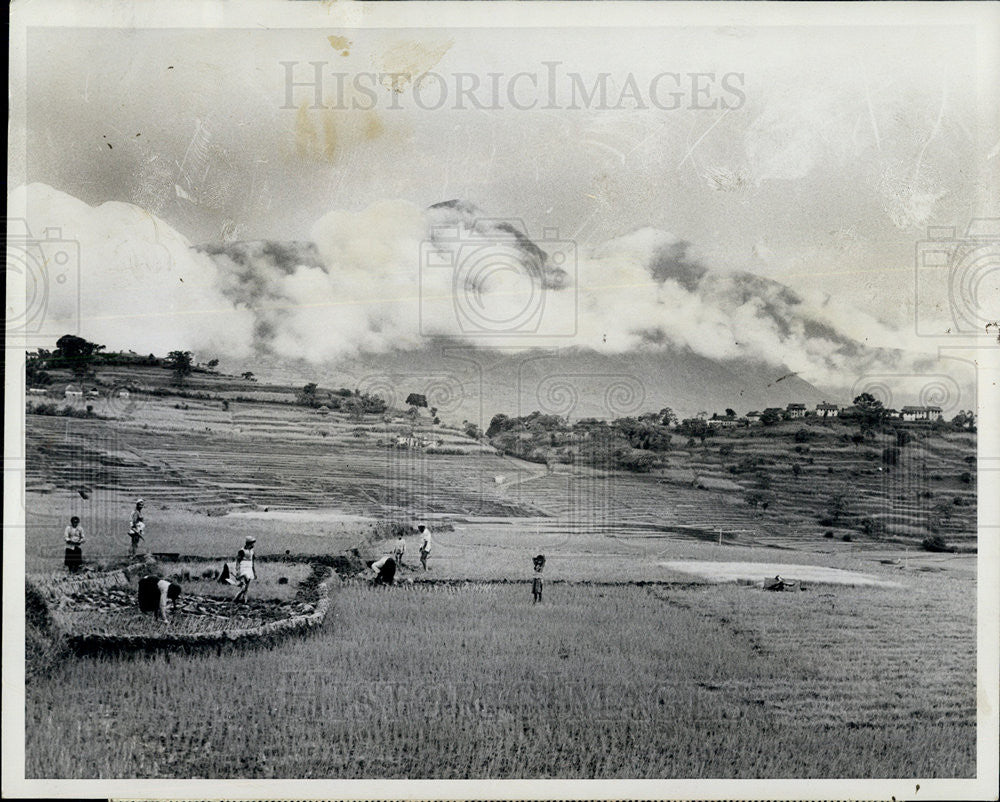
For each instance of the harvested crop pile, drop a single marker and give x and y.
(115, 611)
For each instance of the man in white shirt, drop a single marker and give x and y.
(425, 545)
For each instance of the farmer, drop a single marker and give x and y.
(399, 551)
(136, 526)
(425, 544)
(154, 593)
(538, 561)
(245, 569)
(74, 540)
(385, 570)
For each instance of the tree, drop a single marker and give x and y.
(76, 353)
(667, 416)
(965, 419)
(838, 507)
(769, 417)
(871, 412)
(181, 363)
(34, 376)
(761, 498)
(416, 400)
(499, 423)
(248, 376)
(307, 395)
(213, 363)
(730, 413)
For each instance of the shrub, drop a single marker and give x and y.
(803, 436)
(872, 526)
(726, 450)
(890, 455)
(828, 533)
(847, 537)
(796, 470)
(966, 477)
(934, 543)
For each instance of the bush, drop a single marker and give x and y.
(726, 450)
(966, 478)
(803, 436)
(872, 526)
(828, 533)
(847, 537)
(934, 543)
(890, 455)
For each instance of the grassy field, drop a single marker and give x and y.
(636, 665)
(598, 681)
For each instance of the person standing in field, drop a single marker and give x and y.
(136, 526)
(425, 544)
(399, 551)
(154, 593)
(538, 562)
(245, 569)
(74, 542)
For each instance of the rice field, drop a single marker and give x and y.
(471, 680)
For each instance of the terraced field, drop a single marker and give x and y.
(632, 666)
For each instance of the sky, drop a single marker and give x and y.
(816, 157)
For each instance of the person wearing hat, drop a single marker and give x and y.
(136, 526)
(245, 573)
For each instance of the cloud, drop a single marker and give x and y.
(141, 285)
(391, 276)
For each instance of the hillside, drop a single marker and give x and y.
(237, 448)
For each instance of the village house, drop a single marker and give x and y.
(753, 417)
(123, 394)
(931, 413)
(72, 391)
(723, 422)
(795, 410)
(37, 391)
(826, 410)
